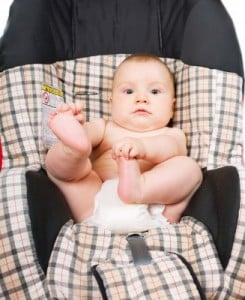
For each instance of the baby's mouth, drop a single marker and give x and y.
(142, 111)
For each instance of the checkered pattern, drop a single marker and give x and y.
(208, 109)
(21, 276)
(154, 281)
(82, 247)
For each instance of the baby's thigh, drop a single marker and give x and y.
(175, 178)
(181, 168)
(80, 195)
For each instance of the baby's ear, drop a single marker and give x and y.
(110, 99)
(173, 105)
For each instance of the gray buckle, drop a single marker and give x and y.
(139, 249)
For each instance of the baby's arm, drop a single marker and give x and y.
(162, 147)
(95, 130)
(156, 148)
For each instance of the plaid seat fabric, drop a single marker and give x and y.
(208, 109)
(82, 247)
(208, 106)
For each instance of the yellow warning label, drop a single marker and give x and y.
(52, 90)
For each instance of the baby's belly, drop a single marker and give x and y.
(105, 167)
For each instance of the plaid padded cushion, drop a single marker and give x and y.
(154, 280)
(208, 109)
(1, 155)
(21, 276)
(207, 106)
(82, 247)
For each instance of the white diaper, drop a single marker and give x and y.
(112, 213)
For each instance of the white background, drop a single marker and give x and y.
(236, 9)
(4, 7)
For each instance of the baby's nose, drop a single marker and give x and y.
(142, 99)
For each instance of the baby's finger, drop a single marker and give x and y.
(126, 150)
(134, 153)
(115, 150)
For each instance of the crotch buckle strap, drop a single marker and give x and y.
(139, 249)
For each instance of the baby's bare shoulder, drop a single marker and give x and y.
(174, 131)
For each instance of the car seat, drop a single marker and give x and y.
(73, 47)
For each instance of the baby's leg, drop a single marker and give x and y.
(68, 159)
(80, 195)
(171, 183)
(68, 163)
(68, 128)
(130, 180)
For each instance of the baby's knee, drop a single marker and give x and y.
(196, 172)
(192, 168)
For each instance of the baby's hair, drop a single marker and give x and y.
(144, 57)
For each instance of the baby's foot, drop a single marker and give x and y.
(129, 186)
(66, 125)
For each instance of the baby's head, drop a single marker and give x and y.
(143, 93)
(152, 61)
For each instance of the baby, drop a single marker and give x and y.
(131, 173)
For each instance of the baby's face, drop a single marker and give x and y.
(142, 95)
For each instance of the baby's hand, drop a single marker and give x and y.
(129, 148)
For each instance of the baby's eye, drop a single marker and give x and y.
(155, 91)
(128, 91)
